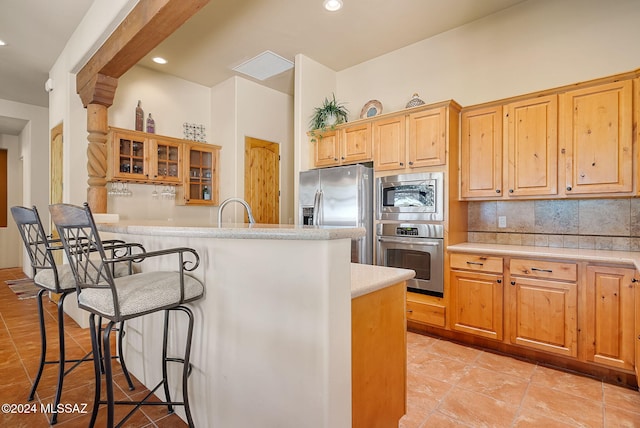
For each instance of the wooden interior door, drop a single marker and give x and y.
(262, 179)
(55, 187)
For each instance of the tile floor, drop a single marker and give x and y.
(19, 356)
(449, 385)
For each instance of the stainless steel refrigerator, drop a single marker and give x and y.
(340, 196)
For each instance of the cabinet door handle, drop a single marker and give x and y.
(475, 263)
(634, 280)
(513, 283)
(510, 190)
(499, 281)
(409, 311)
(497, 190)
(569, 188)
(401, 163)
(410, 163)
(541, 270)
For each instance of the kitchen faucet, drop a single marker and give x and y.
(241, 201)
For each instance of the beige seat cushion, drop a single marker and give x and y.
(45, 278)
(141, 293)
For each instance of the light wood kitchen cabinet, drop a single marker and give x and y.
(596, 134)
(481, 153)
(140, 157)
(531, 147)
(326, 149)
(355, 144)
(428, 137)
(609, 315)
(165, 161)
(389, 143)
(542, 305)
(476, 297)
(128, 156)
(425, 309)
(343, 146)
(201, 185)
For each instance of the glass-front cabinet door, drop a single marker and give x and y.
(166, 165)
(202, 168)
(129, 157)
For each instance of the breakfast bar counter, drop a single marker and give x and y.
(272, 343)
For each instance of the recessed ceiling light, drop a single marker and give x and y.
(332, 5)
(3, 43)
(159, 60)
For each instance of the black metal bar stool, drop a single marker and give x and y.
(123, 298)
(50, 277)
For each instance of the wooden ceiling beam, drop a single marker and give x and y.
(147, 25)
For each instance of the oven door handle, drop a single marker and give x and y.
(416, 241)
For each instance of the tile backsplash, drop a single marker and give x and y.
(603, 224)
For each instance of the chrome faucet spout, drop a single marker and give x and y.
(240, 201)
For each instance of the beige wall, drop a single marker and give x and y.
(535, 45)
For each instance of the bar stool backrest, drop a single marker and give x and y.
(35, 240)
(80, 238)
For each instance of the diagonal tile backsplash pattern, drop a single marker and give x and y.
(602, 224)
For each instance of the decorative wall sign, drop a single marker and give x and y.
(194, 132)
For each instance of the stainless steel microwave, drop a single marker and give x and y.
(414, 197)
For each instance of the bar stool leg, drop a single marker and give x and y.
(165, 333)
(97, 367)
(121, 358)
(61, 366)
(108, 374)
(186, 367)
(43, 345)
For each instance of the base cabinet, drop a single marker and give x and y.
(476, 303)
(609, 315)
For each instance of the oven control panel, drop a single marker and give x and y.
(407, 231)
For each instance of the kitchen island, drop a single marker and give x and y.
(272, 342)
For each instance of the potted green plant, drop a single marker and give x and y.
(327, 116)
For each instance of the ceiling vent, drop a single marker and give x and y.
(265, 65)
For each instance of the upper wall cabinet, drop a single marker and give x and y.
(128, 157)
(343, 146)
(413, 140)
(597, 133)
(562, 144)
(481, 153)
(531, 147)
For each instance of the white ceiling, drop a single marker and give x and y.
(224, 34)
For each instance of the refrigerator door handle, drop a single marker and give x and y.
(317, 209)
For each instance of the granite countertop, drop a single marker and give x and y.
(366, 279)
(576, 254)
(231, 230)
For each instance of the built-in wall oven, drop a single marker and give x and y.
(416, 246)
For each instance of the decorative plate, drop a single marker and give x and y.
(370, 109)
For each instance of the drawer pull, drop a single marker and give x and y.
(541, 270)
(475, 263)
(409, 311)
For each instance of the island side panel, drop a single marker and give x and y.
(379, 357)
(272, 343)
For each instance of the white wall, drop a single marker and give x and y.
(28, 171)
(171, 102)
(267, 114)
(10, 242)
(532, 46)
